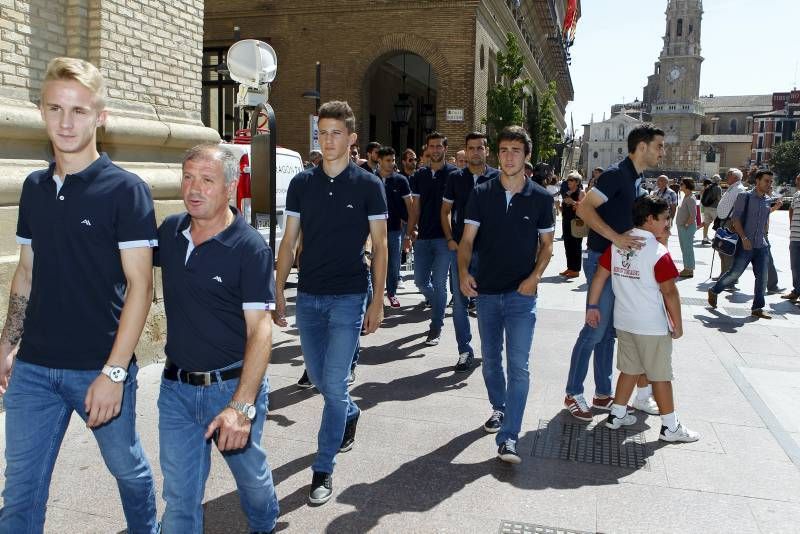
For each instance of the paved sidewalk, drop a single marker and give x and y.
(422, 463)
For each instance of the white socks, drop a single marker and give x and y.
(670, 421)
(618, 410)
(644, 392)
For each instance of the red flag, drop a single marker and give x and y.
(570, 22)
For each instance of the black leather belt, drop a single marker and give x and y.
(172, 372)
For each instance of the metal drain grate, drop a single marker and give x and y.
(594, 445)
(514, 527)
(692, 301)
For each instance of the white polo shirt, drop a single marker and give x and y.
(635, 277)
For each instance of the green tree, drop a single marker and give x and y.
(504, 99)
(533, 124)
(785, 159)
(548, 131)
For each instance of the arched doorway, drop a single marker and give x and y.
(401, 89)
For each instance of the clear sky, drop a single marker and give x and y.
(749, 46)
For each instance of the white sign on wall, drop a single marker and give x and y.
(455, 115)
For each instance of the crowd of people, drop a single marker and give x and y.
(68, 347)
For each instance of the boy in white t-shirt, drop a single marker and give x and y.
(647, 316)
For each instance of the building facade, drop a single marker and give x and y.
(775, 126)
(434, 60)
(606, 142)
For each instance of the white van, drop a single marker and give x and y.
(288, 163)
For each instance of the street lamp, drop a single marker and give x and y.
(313, 120)
(316, 94)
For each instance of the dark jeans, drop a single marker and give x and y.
(759, 258)
(794, 261)
(572, 246)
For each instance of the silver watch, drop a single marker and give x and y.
(115, 373)
(244, 408)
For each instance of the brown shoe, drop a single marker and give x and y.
(572, 274)
(686, 273)
(562, 273)
(712, 299)
(761, 314)
(791, 296)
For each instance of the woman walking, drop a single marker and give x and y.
(572, 244)
(686, 221)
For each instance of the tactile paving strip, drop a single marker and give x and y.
(594, 445)
(514, 527)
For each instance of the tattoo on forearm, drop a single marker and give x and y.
(12, 330)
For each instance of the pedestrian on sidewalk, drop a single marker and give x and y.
(608, 210)
(794, 243)
(510, 221)
(724, 208)
(709, 200)
(218, 289)
(750, 220)
(665, 193)
(77, 311)
(459, 187)
(431, 254)
(647, 317)
(398, 200)
(572, 245)
(336, 205)
(686, 221)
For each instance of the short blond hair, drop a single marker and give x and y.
(81, 71)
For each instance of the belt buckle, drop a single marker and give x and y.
(206, 379)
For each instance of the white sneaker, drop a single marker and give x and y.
(647, 406)
(401, 284)
(681, 434)
(614, 422)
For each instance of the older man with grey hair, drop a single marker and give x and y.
(735, 187)
(218, 290)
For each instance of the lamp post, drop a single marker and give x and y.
(316, 94)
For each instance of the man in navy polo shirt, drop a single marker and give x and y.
(77, 308)
(336, 205)
(431, 255)
(458, 189)
(608, 211)
(218, 288)
(398, 200)
(510, 222)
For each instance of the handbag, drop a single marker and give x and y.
(726, 241)
(578, 228)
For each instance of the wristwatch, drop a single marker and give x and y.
(244, 408)
(115, 373)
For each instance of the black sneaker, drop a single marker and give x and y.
(351, 378)
(321, 488)
(494, 423)
(465, 361)
(349, 434)
(304, 382)
(472, 304)
(433, 337)
(508, 452)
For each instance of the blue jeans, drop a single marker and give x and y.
(686, 240)
(357, 352)
(329, 327)
(184, 413)
(431, 264)
(794, 261)
(759, 257)
(514, 315)
(600, 339)
(460, 313)
(395, 243)
(39, 403)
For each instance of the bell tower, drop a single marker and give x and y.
(674, 88)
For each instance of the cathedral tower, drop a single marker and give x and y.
(673, 90)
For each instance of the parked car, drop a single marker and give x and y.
(288, 164)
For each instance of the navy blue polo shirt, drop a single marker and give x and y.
(78, 286)
(397, 190)
(460, 184)
(208, 287)
(619, 186)
(508, 232)
(334, 217)
(427, 188)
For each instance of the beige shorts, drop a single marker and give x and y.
(651, 355)
(709, 214)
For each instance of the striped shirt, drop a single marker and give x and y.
(726, 202)
(794, 234)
